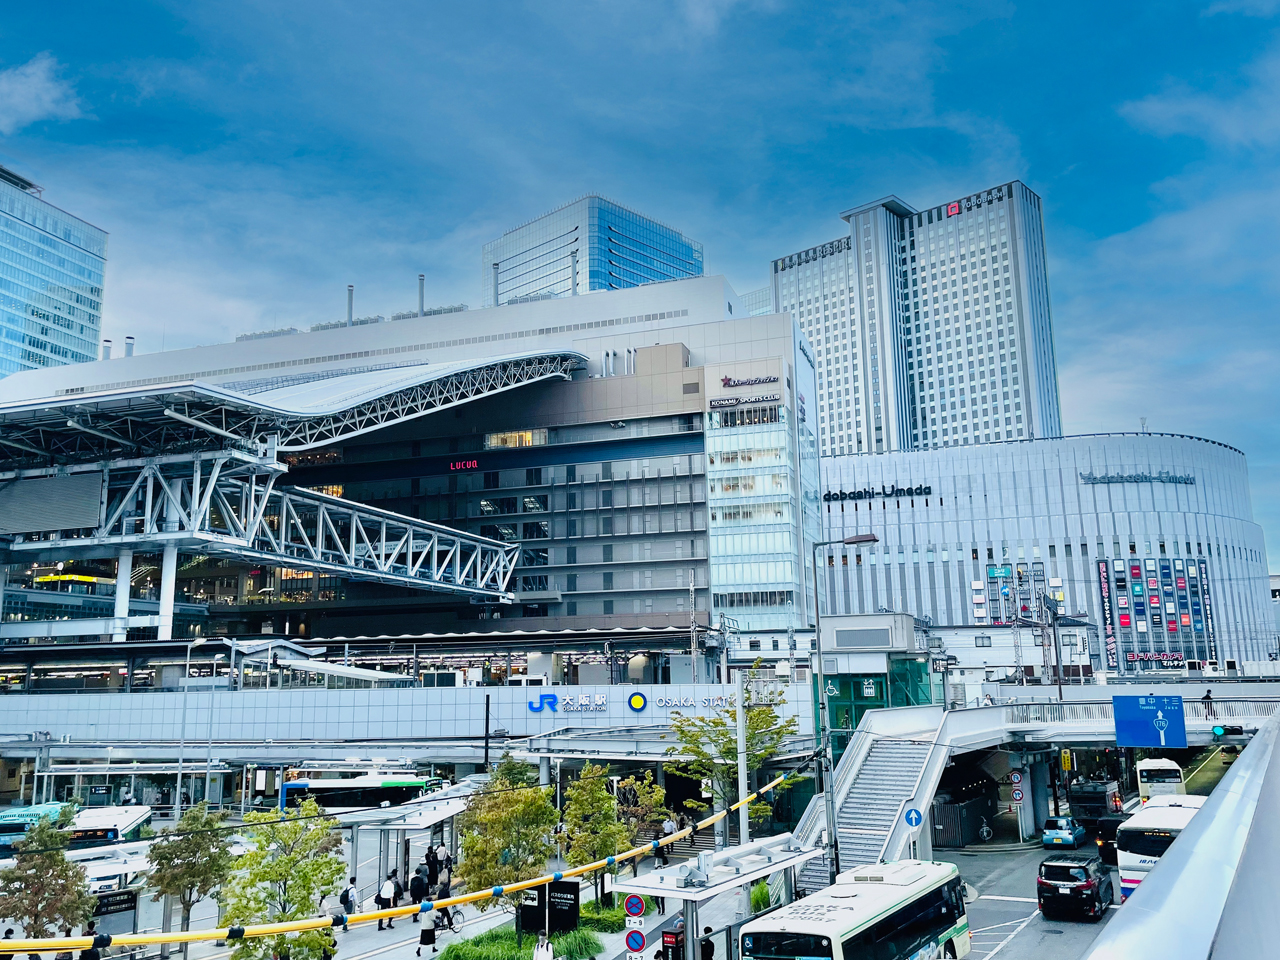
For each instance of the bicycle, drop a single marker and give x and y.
(454, 923)
(985, 832)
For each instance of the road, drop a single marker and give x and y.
(1004, 920)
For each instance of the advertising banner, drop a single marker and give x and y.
(1108, 617)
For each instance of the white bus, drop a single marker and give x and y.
(1142, 839)
(885, 911)
(1157, 777)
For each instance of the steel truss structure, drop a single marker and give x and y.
(229, 503)
(193, 416)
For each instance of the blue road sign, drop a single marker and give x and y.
(912, 816)
(1149, 721)
(635, 941)
(634, 905)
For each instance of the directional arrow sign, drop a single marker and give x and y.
(913, 817)
(1149, 721)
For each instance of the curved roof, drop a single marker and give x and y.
(302, 411)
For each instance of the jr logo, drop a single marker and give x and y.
(545, 700)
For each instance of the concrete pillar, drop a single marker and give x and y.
(4, 579)
(168, 581)
(124, 572)
(544, 771)
(354, 853)
(1039, 778)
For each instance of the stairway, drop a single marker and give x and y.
(870, 809)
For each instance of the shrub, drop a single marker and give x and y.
(500, 944)
(760, 897)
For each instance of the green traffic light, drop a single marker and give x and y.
(1219, 731)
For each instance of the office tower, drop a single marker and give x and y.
(589, 244)
(51, 284)
(931, 328)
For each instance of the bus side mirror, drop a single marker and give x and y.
(968, 892)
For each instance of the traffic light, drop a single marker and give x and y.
(1227, 731)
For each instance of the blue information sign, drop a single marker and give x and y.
(913, 818)
(1149, 721)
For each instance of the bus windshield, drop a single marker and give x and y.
(785, 946)
(1144, 843)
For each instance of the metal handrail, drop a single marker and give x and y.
(1089, 711)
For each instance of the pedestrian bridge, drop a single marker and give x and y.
(896, 758)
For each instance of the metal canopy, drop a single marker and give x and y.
(305, 412)
(723, 871)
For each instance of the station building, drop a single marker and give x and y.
(1149, 537)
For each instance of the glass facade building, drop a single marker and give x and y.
(931, 328)
(51, 271)
(589, 244)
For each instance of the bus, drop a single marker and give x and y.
(1142, 839)
(1157, 777)
(889, 911)
(361, 792)
(92, 827)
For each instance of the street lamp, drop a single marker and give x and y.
(208, 757)
(182, 730)
(823, 723)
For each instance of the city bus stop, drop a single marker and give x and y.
(697, 882)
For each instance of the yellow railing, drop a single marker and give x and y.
(55, 944)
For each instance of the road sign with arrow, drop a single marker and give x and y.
(1149, 722)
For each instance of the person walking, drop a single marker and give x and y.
(8, 935)
(661, 903)
(433, 870)
(64, 954)
(399, 888)
(543, 950)
(1207, 700)
(708, 946)
(348, 899)
(385, 894)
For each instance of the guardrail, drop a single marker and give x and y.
(1093, 711)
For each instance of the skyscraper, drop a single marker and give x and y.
(51, 281)
(931, 328)
(589, 244)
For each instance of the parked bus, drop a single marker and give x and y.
(889, 911)
(340, 794)
(92, 826)
(1159, 777)
(1142, 839)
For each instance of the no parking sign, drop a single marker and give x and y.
(634, 905)
(635, 941)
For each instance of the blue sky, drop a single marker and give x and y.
(251, 160)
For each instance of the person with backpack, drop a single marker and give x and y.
(399, 888)
(433, 870)
(348, 900)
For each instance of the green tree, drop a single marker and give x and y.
(514, 772)
(190, 861)
(711, 745)
(642, 803)
(506, 836)
(294, 862)
(44, 892)
(591, 820)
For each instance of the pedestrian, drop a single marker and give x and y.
(662, 905)
(383, 900)
(417, 889)
(399, 888)
(544, 950)
(681, 823)
(433, 870)
(662, 850)
(427, 938)
(987, 701)
(708, 945)
(64, 954)
(1207, 700)
(90, 952)
(348, 899)
(8, 935)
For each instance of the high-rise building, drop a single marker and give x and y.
(931, 328)
(50, 281)
(589, 244)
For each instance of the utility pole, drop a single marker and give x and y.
(744, 815)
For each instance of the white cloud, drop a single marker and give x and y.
(1245, 117)
(34, 91)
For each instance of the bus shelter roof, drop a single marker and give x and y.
(712, 874)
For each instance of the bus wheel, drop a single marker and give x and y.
(949, 950)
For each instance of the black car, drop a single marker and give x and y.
(1074, 883)
(1106, 836)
